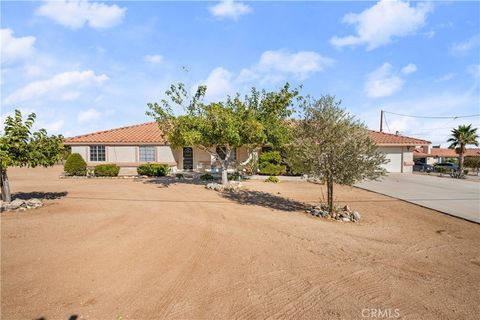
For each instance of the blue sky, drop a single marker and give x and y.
(86, 66)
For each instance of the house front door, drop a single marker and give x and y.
(187, 158)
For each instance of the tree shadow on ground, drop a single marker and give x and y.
(264, 199)
(39, 195)
(72, 317)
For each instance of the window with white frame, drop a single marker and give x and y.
(97, 153)
(147, 153)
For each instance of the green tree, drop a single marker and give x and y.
(473, 163)
(461, 137)
(20, 147)
(219, 127)
(331, 145)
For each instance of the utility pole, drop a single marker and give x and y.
(381, 120)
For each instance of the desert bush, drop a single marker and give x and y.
(106, 170)
(75, 165)
(179, 176)
(273, 179)
(153, 169)
(206, 177)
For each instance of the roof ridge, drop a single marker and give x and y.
(398, 135)
(110, 130)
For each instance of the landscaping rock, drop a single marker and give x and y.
(345, 219)
(356, 216)
(21, 205)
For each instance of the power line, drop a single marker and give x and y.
(432, 117)
(385, 117)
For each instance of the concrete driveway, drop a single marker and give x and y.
(460, 198)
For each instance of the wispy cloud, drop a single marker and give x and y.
(229, 9)
(385, 81)
(466, 45)
(153, 58)
(380, 24)
(62, 86)
(13, 48)
(76, 14)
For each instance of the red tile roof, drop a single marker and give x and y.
(389, 139)
(145, 133)
(445, 152)
(149, 133)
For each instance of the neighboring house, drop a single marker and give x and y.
(398, 149)
(430, 155)
(131, 146)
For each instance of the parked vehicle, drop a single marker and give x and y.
(447, 165)
(422, 167)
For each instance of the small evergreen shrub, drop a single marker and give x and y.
(206, 177)
(270, 157)
(75, 165)
(273, 179)
(153, 169)
(106, 170)
(236, 176)
(179, 176)
(270, 163)
(272, 169)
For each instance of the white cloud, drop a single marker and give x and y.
(14, 49)
(474, 70)
(467, 45)
(446, 77)
(63, 86)
(154, 58)
(274, 66)
(89, 115)
(230, 9)
(77, 13)
(385, 81)
(409, 68)
(52, 127)
(378, 25)
(219, 83)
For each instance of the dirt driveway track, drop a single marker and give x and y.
(122, 249)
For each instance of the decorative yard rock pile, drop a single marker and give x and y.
(21, 205)
(232, 186)
(344, 214)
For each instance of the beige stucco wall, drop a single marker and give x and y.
(82, 150)
(407, 160)
(121, 154)
(242, 154)
(165, 154)
(394, 155)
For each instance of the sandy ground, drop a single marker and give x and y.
(122, 249)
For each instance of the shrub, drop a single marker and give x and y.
(272, 169)
(153, 169)
(75, 165)
(106, 170)
(206, 177)
(273, 179)
(270, 157)
(179, 176)
(236, 176)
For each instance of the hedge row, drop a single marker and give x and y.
(153, 169)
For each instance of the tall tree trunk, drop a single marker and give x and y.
(330, 194)
(461, 160)
(6, 195)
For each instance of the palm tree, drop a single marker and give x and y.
(462, 136)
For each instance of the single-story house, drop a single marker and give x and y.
(131, 146)
(432, 155)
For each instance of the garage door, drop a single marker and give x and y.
(394, 155)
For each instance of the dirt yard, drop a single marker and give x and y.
(123, 249)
